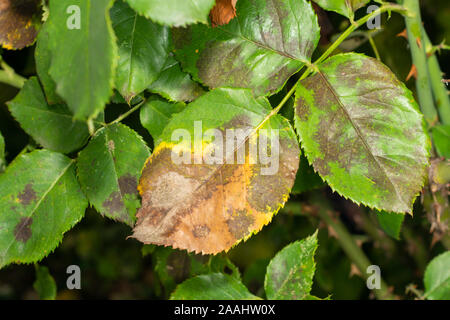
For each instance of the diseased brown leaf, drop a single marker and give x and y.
(223, 12)
(18, 23)
(208, 208)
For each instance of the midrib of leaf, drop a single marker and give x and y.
(264, 46)
(360, 135)
(39, 202)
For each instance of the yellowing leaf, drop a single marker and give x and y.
(208, 207)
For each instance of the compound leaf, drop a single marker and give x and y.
(214, 286)
(437, 278)
(174, 12)
(109, 169)
(19, 23)
(261, 48)
(83, 54)
(290, 274)
(363, 132)
(143, 50)
(53, 127)
(41, 200)
(208, 195)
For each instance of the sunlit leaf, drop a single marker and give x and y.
(363, 132)
(209, 204)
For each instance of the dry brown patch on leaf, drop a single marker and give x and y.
(208, 208)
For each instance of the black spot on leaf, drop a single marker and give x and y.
(114, 203)
(22, 231)
(128, 184)
(27, 195)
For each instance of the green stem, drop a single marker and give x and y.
(374, 47)
(416, 42)
(345, 239)
(9, 76)
(439, 89)
(126, 114)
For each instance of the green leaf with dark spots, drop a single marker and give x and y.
(174, 84)
(363, 132)
(391, 223)
(41, 200)
(261, 48)
(437, 278)
(441, 139)
(19, 23)
(174, 12)
(155, 114)
(84, 56)
(214, 286)
(44, 284)
(53, 127)
(109, 169)
(346, 8)
(143, 50)
(290, 274)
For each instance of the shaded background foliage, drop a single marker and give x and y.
(113, 267)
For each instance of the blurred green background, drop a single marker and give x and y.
(116, 268)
